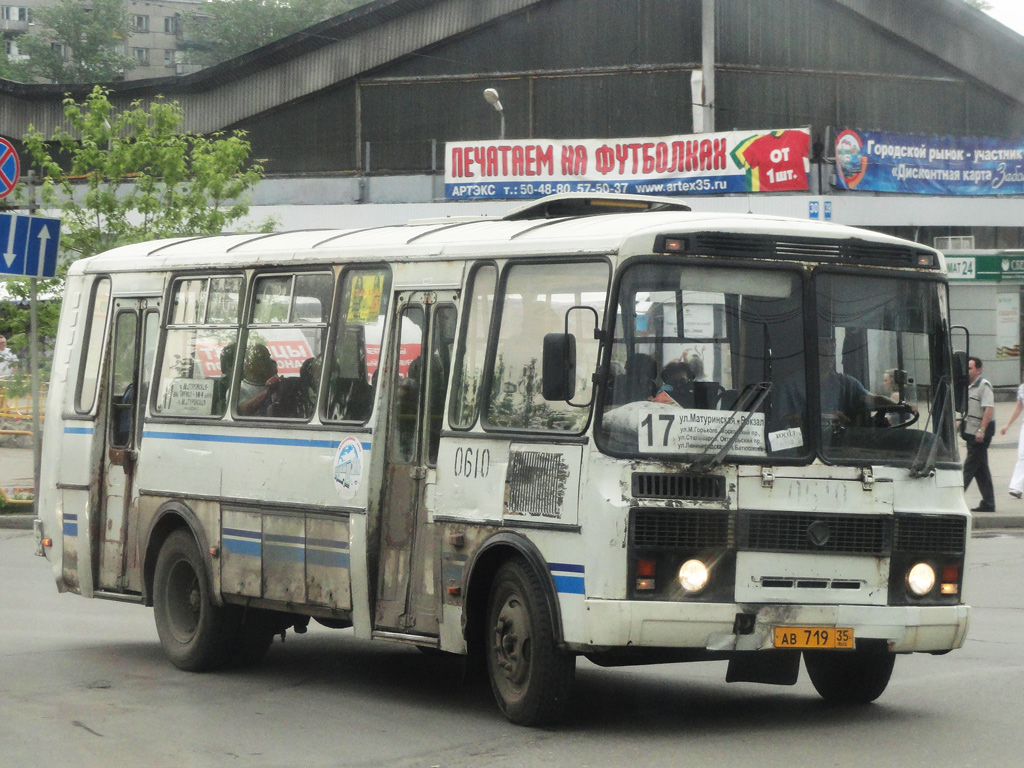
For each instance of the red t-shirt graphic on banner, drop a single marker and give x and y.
(775, 162)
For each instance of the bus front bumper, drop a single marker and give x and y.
(714, 626)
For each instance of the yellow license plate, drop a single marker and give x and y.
(813, 637)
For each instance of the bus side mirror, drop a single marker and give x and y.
(558, 368)
(961, 382)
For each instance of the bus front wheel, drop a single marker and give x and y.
(194, 632)
(850, 677)
(531, 678)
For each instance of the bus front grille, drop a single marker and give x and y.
(930, 534)
(818, 533)
(680, 528)
(658, 485)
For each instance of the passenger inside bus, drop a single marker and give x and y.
(844, 400)
(223, 384)
(259, 380)
(295, 397)
(677, 385)
(639, 380)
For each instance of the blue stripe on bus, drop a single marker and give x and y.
(330, 558)
(275, 551)
(567, 567)
(327, 543)
(278, 538)
(236, 546)
(78, 430)
(565, 584)
(569, 585)
(247, 439)
(240, 541)
(70, 525)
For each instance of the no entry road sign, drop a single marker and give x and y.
(10, 168)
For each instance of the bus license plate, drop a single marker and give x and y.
(813, 637)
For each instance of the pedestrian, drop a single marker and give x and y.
(7, 359)
(1017, 481)
(977, 429)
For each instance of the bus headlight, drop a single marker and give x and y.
(921, 579)
(693, 575)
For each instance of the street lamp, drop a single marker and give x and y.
(491, 96)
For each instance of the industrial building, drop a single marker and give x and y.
(351, 118)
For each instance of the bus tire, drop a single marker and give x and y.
(531, 678)
(850, 677)
(254, 633)
(194, 632)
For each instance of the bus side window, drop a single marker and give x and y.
(280, 375)
(92, 352)
(468, 371)
(194, 375)
(122, 380)
(536, 300)
(361, 309)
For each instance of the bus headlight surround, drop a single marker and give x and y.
(921, 579)
(693, 576)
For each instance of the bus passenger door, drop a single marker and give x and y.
(133, 340)
(408, 584)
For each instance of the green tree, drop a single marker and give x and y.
(126, 176)
(981, 5)
(81, 42)
(13, 70)
(228, 28)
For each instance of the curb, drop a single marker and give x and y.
(19, 521)
(986, 521)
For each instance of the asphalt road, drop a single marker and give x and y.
(84, 683)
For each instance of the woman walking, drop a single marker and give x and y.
(1017, 481)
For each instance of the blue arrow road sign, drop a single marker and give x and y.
(28, 245)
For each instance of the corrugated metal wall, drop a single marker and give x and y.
(604, 68)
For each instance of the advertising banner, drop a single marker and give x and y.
(703, 164)
(872, 161)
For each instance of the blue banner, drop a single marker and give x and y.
(873, 161)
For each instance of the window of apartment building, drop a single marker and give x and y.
(168, 57)
(141, 23)
(141, 56)
(58, 48)
(170, 25)
(16, 13)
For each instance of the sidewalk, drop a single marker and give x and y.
(16, 470)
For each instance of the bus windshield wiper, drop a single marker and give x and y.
(751, 399)
(924, 464)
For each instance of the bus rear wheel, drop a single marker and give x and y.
(531, 678)
(194, 633)
(850, 677)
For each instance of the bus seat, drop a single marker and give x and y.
(349, 400)
(707, 394)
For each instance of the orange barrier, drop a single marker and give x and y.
(16, 412)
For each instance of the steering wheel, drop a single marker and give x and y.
(902, 407)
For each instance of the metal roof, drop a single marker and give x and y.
(363, 41)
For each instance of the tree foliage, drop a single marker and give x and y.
(126, 176)
(131, 175)
(228, 28)
(90, 41)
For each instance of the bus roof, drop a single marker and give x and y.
(534, 229)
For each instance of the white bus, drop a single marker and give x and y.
(600, 427)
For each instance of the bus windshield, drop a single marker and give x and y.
(709, 362)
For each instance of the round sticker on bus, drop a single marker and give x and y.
(348, 468)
